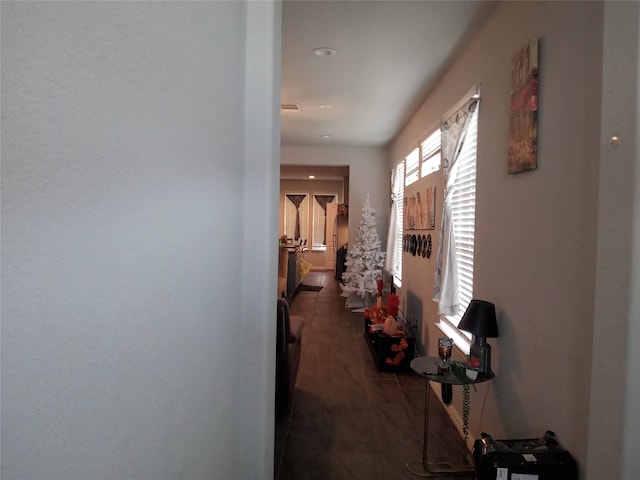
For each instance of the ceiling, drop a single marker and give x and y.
(389, 54)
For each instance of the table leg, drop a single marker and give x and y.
(424, 468)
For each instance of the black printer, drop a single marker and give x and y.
(527, 459)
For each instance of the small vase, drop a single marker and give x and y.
(390, 326)
(379, 302)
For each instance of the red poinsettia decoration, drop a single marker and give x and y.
(399, 354)
(393, 302)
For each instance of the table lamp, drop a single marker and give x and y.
(480, 320)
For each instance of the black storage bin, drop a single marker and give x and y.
(542, 457)
(341, 258)
(390, 354)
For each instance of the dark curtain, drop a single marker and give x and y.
(322, 201)
(297, 200)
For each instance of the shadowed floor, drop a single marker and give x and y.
(347, 420)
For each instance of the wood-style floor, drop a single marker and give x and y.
(349, 421)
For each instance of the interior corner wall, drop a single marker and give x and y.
(368, 175)
(614, 424)
(252, 454)
(535, 231)
(123, 194)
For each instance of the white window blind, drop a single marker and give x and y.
(430, 149)
(463, 209)
(412, 164)
(398, 192)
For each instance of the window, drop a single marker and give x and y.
(398, 194)
(430, 149)
(308, 210)
(463, 206)
(412, 165)
(320, 220)
(423, 160)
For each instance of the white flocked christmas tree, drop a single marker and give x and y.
(364, 260)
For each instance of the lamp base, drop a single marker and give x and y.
(482, 351)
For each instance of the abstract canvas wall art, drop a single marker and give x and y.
(523, 142)
(420, 210)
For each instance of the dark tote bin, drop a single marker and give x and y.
(390, 354)
(543, 458)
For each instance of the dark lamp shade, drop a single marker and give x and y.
(480, 319)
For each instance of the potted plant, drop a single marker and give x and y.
(473, 365)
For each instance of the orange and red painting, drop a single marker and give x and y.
(523, 143)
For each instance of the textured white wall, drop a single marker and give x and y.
(535, 232)
(127, 350)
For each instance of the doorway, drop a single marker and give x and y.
(310, 216)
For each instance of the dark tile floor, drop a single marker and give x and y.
(347, 420)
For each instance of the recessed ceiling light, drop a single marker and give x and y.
(326, 137)
(324, 52)
(312, 176)
(325, 105)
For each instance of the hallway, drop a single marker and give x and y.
(349, 421)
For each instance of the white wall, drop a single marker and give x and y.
(368, 174)
(535, 232)
(128, 347)
(614, 425)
